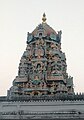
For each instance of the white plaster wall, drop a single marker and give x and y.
(42, 106)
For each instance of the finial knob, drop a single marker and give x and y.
(44, 18)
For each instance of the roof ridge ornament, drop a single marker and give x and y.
(44, 18)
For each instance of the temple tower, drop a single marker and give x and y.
(42, 68)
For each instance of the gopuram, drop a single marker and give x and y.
(42, 90)
(42, 68)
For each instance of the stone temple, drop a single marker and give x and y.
(42, 68)
(42, 89)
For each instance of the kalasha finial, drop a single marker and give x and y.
(44, 18)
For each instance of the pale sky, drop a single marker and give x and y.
(17, 17)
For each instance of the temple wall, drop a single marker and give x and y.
(40, 109)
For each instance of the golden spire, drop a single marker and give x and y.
(44, 18)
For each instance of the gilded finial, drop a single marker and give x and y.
(44, 18)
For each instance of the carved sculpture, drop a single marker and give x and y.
(42, 68)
